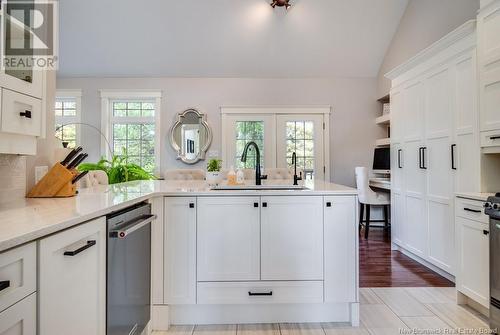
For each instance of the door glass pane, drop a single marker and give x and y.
(67, 133)
(247, 131)
(300, 139)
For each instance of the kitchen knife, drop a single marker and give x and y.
(74, 163)
(80, 176)
(70, 156)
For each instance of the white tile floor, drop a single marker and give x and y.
(384, 311)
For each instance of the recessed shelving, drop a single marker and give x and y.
(383, 120)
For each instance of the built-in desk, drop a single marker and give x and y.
(382, 183)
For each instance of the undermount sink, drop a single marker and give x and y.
(259, 187)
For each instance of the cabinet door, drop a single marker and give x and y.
(489, 70)
(466, 151)
(228, 239)
(180, 251)
(397, 193)
(292, 238)
(473, 260)
(341, 249)
(437, 159)
(72, 289)
(19, 319)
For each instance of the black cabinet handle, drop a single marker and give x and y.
(256, 204)
(264, 204)
(260, 294)
(472, 210)
(399, 158)
(328, 204)
(496, 137)
(26, 114)
(421, 158)
(191, 205)
(89, 244)
(485, 232)
(453, 167)
(4, 285)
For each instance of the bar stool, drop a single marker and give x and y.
(367, 197)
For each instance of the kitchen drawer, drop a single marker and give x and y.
(490, 138)
(19, 319)
(21, 114)
(471, 209)
(260, 292)
(18, 268)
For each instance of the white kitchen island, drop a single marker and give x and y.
(225, 256)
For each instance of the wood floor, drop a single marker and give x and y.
(381, 267)
(387, 311)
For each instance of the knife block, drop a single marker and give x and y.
(55, 184)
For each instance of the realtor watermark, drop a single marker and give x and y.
(433, 331)
(29, 35)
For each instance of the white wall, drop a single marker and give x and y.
(353, 130)
(423, 23)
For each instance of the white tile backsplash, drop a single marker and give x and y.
(12, 177)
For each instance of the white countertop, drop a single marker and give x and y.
(474, 195)
(26, 220)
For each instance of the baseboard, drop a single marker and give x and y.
(254, 313)
(463, 299)
(425, 263)
(160, 317)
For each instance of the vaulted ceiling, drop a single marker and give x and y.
(225, 38)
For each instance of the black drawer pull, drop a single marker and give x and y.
(453, 167)
(328, 204)
(191, 205)
(264, 204)
(399, 158)
(496, 137)
(472, 210)
(485, 232)
(256, 204)
(260, 294)
(4, 285)
(89, 244)
(26, 114)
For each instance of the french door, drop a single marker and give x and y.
(278, 136)
(302, 134)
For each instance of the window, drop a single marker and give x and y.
(131, 122)
(278, 132)
(247, 131)
(67, 116)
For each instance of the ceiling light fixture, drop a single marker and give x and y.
(281, 3)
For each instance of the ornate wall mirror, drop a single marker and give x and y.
(191, 136)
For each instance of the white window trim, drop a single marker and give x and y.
(77, 95)
(325, 110)
(109, 95)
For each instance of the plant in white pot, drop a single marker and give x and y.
(214, 176)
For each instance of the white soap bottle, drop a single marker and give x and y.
(240, 177)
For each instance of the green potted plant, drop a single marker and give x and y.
(118, 170)
(214, 175)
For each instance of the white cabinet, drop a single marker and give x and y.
(17, 274)
(341, 248)
(19, 319)
(228, 238)
(292, 238)
(473, 260)
(437, 151)
(72, 281)
(180, 250)
(489, 72)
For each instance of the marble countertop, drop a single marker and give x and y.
(474, 195)
(26, 220)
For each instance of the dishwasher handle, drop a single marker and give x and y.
(123, 231)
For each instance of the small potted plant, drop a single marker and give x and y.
(214, 176)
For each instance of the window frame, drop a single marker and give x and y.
(107, 118)
(73, 94)
(243, 113)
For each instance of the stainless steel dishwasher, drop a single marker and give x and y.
(492, 208)
(129, 270)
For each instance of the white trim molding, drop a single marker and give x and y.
(276, 110)
(130, 94)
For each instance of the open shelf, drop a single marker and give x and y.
(385, 99)
(383, 142)
(383, 120)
